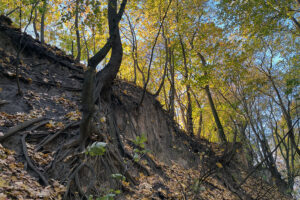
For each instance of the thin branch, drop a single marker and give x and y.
(270, 154)
(152, 52)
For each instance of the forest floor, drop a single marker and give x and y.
(47, 114)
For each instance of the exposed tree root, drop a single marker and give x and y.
(114, 128)
(30, 164)
(91, 183)
(71, 178)
(118, 159)
(52, 137)
(152, 164)
(19, 127)
(73, 143)
(150, 161)
(42, 123)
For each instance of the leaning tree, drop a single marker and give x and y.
(95, 83)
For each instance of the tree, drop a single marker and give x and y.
(95, 84)
(212, 105)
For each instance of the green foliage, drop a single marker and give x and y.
(110, 196)
(96, 149)
(140, 143)
(118, 177)
(243, 42)
(111, 193)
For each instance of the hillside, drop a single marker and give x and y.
(147, 155)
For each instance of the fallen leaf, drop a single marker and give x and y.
(219, 165)
(3, 183)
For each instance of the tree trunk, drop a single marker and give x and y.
(72, 49)
(282, 185)
(77, 32)
(189, 112)
(200, 124)
(215, 114)
(221, 133)
(43, 22)
(181, 107)
(86, 46)
(172, 84)
(200, 114)
(34, 25)
(105, 77)
(166, 65)
(286, 115)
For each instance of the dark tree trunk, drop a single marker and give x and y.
(296, 22)
(172, 84)
(34, 24)
(43, 22)
(215, 114)
(77, 32)
(105, 77)
(221, 133)
(200, 124)
(72, 49)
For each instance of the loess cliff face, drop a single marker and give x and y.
(146, 146)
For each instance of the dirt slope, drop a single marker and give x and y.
(166, 164)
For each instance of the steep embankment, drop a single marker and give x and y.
(165, 163)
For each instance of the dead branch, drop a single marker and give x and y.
(30, 164)
(123, 168)
(19, 127)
